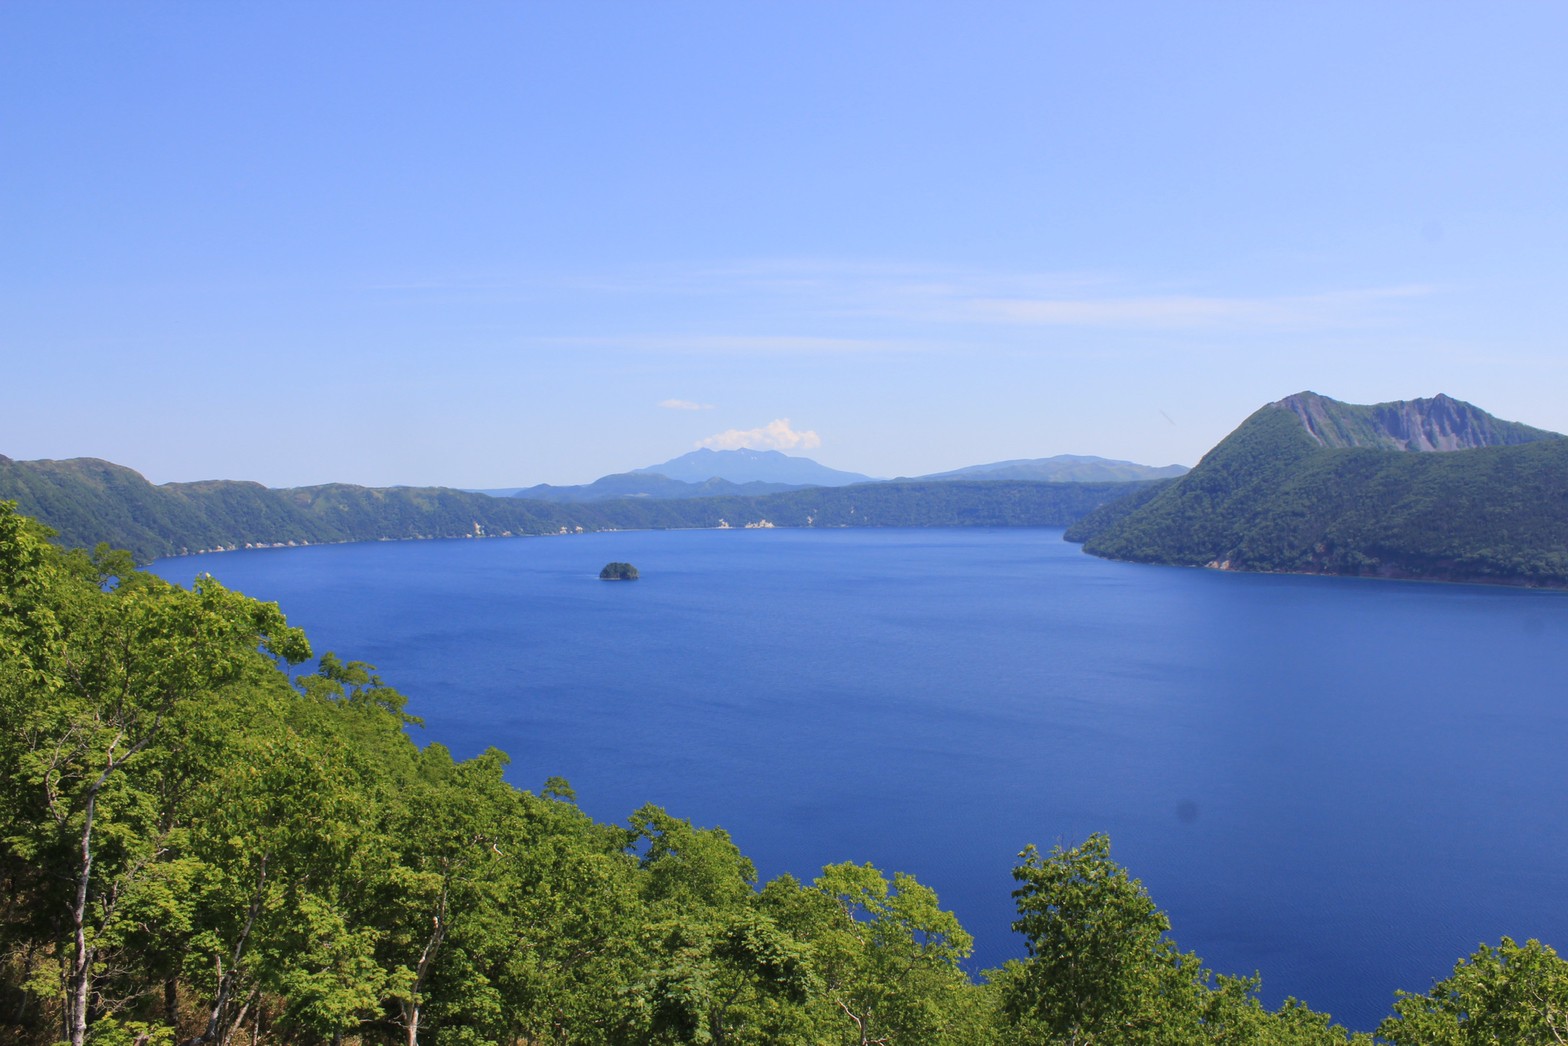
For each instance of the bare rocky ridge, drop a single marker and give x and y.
(1441, 423)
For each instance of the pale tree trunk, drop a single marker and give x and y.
(78, 987)
(217, 1029)
(253, 999)
(79, 979)
(412, 1006)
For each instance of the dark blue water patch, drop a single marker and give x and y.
(1345, 785)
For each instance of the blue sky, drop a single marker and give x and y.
(491, 244)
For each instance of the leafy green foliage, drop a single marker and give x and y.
(1102, 968)
(1513, 993)
(618, 572)
(892, 962)
(196, 848)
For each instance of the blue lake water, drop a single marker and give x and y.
(1344, 785)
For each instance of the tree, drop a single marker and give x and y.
(447, 831)
(1101, 968)
(105, 681)
(1515, 994)
(719, 969)
(893, 965)
(283, 835)
(561, 945)
(1099, 960)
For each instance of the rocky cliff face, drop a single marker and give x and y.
(1441, 423)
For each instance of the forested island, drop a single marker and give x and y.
(197, 846)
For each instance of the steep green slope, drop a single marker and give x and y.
(1278, 496)
(90, 501)
(1115, 511)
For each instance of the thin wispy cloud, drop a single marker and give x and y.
(738, 344)
(826, 307)
(1183, 312)
(825, 292)
(792, 344)
(828, 291)
(777, 434)
(684, 405)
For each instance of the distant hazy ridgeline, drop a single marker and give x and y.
(90, 501)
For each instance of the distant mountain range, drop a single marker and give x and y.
(1427, 488)
(748, 473)
(646, 485)
(701, 474)
(752, 466)
(1065, 468)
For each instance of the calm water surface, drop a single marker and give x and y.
(1342, 784)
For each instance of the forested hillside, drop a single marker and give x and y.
(196, 847)
(88, 502)
(1309, 485)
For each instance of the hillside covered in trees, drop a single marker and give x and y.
(1433, 489)
(88, 501)
(198, 847)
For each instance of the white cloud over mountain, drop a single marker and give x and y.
(775, 435)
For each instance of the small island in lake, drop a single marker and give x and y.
(618, 572)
